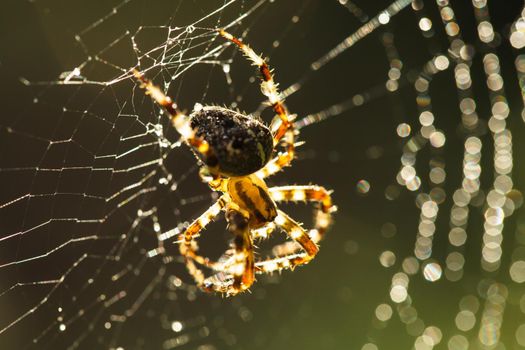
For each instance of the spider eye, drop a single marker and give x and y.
(241, 144)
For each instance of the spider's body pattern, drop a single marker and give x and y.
(236, 151)
(241, 144)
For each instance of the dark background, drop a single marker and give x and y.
(327, 305)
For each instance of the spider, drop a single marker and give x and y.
(235, 151)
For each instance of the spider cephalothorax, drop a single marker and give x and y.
(236, 151)
(241, 144)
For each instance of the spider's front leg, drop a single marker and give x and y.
(281, 125)
(179, 120)
(268, 85)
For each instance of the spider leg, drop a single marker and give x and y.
(243, 268)
(187, 244)
(237, 273)
(179, 120)
(282, 122)
(289, 254)
(263, 232)
(282, 160)
(281, 125)
(202, 221)
(323, 211)
(290, 261)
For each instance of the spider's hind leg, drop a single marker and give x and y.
(301, 240)
(235, 271)
(312, 193)
(290, 254)
(243, 268)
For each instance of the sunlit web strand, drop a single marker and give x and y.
(357, 100)
(373, 24)
(74, 77)
(380, 19)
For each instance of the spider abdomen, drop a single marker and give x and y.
(240, 144)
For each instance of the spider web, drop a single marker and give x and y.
(96, 183)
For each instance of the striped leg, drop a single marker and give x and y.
(282, 160)
(263, 232)
(188, 246)
(300, 237)
(312, 193)
(179, 120)
(242, 267)
(289, 254)
(282, 122)
(198, 224)
(281, 126)
(235, 271)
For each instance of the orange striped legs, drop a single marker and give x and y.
(179, 120)
(323, 211)
(243, 266)
(282, 121)
(235, 270)
(188, 246)
(281, 126)
(282, 160)
(201, 222)
(301, 241)
(289, 254)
